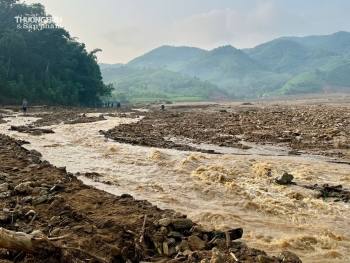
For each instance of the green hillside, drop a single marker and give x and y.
(287, 56)
(309, 82)
(280, 66)
(166, 56)
(147, 85)
(234, 71)
(337, 42)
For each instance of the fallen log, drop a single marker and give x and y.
(18, 241)
(31, 244)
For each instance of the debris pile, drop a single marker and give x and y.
(313, 129)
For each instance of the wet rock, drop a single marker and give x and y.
(286, 178)
(195, 243)
(164, 221)
(289, 257)
(176, 235)
(266, 259)
(126, 196)
(36, 153)
(182, 223)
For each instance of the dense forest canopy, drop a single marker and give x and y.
(41, 62)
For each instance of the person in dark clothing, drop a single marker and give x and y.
(24, 106)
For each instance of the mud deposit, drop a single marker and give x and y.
(136, 152)
(316, 129)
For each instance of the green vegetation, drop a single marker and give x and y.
(337, 42)
(47, 65)
(286, 65)
(146, 85)
(309, 82)
(166, 56)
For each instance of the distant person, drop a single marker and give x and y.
(24, 106)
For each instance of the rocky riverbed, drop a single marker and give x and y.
(312, 129)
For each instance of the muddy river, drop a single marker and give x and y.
(220, 190)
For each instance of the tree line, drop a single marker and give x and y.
(42, 62)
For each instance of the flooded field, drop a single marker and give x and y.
(224, 191)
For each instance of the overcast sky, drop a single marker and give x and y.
(125, 29)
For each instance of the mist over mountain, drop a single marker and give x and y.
(286, 65)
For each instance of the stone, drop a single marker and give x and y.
(182, 223)
(35, 152)
(39, 200)
(286, 178)
(164, 221)
(36, 190)
(289, 257)
(195, 243)
(54, 204)
(22, 187)
(89, 229)
(115, 251)
(108, 223)
(265, 259)
(4, 187)
(175, 234)
(27, 199)
(184, 245)
(216, 256)
(236, 233)
(203, 228)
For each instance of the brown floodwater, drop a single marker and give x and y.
(222, 191)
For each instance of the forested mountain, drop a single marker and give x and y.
(282, 66)
(287, 56)
(168, 56)
(337, 42)
(44, 65)
(146, 85)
